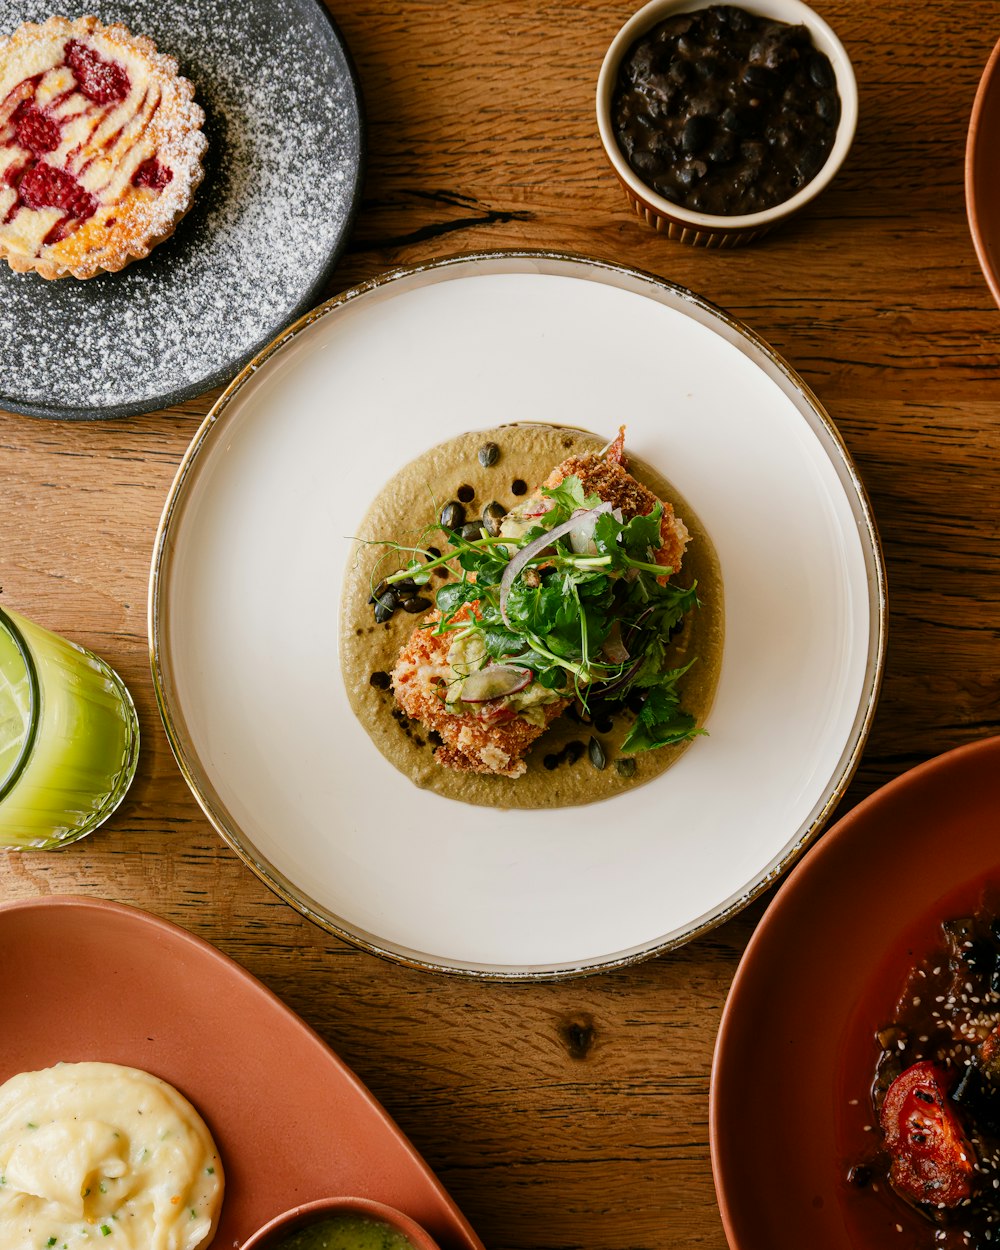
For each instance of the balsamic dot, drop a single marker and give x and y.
(519, 486)
(466, 494)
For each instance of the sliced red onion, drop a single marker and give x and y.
(495, 682)
(581, 537)
(601, 688)
(535, 548)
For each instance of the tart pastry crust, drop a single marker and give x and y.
(100, 147)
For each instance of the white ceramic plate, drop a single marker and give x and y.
(245, 588)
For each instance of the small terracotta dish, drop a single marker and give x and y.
(274, 1233)
(982, 173)
(701, 228)
(791, 1113)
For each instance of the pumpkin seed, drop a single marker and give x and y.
(452, 515)
(493, 515)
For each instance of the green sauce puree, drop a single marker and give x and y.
(346, 1232)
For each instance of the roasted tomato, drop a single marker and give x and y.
(931, 1159)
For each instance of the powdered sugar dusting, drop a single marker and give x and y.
(282, 174)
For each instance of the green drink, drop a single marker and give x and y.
(69, 738)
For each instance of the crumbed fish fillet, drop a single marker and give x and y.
(495, 740)
(469, 742)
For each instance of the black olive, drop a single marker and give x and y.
(821, 71)
(646, 163)
(828, 109)
(760, 77)
(697, 134)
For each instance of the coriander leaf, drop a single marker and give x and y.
(566, 498)
(662, 720)
(641, 535)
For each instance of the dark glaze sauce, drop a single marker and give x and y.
(946, 1014)
(725, 112)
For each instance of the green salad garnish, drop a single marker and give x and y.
(572, 595)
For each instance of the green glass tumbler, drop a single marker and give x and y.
(69, 737)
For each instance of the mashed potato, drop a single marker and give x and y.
(97, 1154)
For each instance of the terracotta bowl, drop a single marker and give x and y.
(982, 173)
(790, 1107)
(704, 229)
(275, 1231)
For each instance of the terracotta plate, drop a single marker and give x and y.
(982, 173)
(88, 979)
(796, 1051)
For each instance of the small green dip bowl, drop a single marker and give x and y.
(341, 1224)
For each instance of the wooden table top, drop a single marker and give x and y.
(575, 1115)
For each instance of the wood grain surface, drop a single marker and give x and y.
(576, 1115)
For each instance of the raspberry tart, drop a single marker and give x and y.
(100, 147)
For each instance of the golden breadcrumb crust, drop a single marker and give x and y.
(467, 743)
(611, 482)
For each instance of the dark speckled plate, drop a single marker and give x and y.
(283, 177)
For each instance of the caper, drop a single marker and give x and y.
(596, 753)
(493, 515)
(489, 454)
(452, 515)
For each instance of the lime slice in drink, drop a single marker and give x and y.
(15, 705)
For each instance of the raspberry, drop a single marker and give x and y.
(152, 174)
(102, 81)
(47, 187)
(35, 131)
